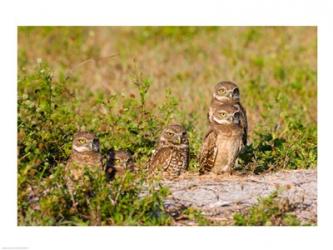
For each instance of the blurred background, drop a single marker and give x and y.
(275, 67)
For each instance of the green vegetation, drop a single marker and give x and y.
(125, 84)
(270, 211)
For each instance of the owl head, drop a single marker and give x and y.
(123, 159)
(226, 114)
(226, 91)
(119, 161)
(85, 142)
(174, 134)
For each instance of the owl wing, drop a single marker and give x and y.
(162, 157)
(208, 152)
(244, 125)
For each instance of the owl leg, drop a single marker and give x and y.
(227, 169)
(73, 209)
(233, 165)
(74, 202)
(71, 191)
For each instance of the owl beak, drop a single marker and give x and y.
(235, 94)
(95, 145)
(178, 140)
(236, 118)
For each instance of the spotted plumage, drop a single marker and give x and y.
(171, 157)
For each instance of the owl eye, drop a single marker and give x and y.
(82, 141)
(222, 114)
(221, 91)
(169, 134)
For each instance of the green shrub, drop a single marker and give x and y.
(270, 211)
(46, 123)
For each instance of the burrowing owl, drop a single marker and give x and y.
(85, 154)
(171, 157)
(227, 92)
(118, 163)
(223, 141)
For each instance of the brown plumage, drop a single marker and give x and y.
(171, 157)
(223, 141)
(227, 92)
(85, 154)
(118, 163)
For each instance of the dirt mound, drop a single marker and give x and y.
(219, 197)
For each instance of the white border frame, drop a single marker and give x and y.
(129, 13)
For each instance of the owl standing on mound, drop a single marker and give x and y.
(223, 141)
(118, 163)
(227, 92)
(171, 157)
(85, 154)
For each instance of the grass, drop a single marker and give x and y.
(270, 211)
(125, 84)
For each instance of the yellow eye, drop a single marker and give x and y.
(223, 114)
(82, 141)
(169, 134)
(221, 91)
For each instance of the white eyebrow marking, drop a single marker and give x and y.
(79, 149)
